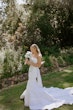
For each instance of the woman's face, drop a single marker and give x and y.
(33, 50)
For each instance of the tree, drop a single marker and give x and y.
(11, 18)
(42, 17)
(54, 19)
(65, 25)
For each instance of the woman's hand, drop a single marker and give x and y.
(27, 62)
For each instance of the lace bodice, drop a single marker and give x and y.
(33, 59)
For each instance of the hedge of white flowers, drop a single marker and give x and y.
(10, 61)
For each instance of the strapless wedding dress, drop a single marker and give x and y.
(37, 97)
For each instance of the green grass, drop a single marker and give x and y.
(9, 98)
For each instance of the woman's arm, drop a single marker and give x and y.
(26, 60)
(38, 64)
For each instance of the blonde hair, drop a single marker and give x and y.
(37, 49)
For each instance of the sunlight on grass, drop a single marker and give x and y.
(70, 68)
(66, 84)
(68, 71)
(2, 107)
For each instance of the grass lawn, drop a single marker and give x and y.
(9, 98)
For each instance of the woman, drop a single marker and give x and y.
(37, 97)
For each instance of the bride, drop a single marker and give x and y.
(37, 97)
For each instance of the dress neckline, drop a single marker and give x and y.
(34, 57)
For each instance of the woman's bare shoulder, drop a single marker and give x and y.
(39, 57)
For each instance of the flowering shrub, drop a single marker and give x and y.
(11, 62)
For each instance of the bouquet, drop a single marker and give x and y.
(28, 55)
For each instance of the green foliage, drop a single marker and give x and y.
(24, 68)
(64, 29)
(68, 59)
(61, 61)
(7, 69)
(11, 17)
(54, 50)
(47, 63)
(66, 56)
(46, 29)
(54, 20)
(42, 18)
(11, 64)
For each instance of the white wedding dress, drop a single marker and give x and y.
(37, 97)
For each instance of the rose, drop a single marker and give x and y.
(28, 55)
